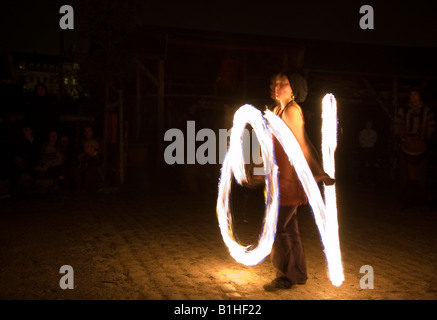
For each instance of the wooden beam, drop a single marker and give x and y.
(342, 72)
(228, 45)
(138, 106)
(148, 73)
(375, 95)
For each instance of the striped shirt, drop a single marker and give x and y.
(418, 121)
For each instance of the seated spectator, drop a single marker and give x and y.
(89, 172)
(88, 135)
(52, 160)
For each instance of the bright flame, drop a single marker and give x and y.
(325, 213)
(234, 165)
(329, 144)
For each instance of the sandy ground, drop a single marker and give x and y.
(144, 246)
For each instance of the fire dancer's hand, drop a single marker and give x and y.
(325, 178)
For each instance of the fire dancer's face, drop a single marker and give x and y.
(280, 89)
(415, 98)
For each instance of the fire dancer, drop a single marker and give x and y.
(287, 254)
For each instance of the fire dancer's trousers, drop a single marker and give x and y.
(287, 254)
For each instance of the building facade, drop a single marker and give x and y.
(60, 76)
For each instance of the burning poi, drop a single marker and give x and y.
(325, 212)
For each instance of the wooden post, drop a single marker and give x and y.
(244, 75)
(61, 65)
(106, 126)
(160, 115)
(161, 111)
(395, 94)
(138, 106)
(121, 142)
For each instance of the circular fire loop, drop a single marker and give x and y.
(233, 165)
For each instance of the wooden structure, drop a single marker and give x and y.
(175, 69)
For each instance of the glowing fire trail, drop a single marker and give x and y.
(234, 165)
(324, 213)
(329, 144)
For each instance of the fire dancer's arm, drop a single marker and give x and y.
(293, 117)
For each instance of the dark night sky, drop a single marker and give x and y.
(34, 25)
(396, 22)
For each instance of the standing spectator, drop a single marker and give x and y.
(414, 129)
(26, 158)
(367, 139)
(89, 176)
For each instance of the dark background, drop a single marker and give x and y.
(30, 25)
(369, 71)
(148, 66)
